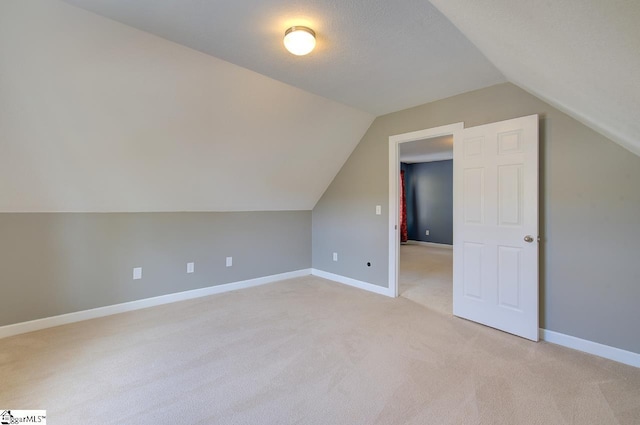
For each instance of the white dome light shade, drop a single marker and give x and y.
(299, 40)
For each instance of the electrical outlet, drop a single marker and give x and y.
(190, 267)
(427, 233)
(229, 261)
(335, 256)
(137, 273)
(378, 209)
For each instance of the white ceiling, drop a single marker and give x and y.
(379, 56)
(96, 116)
(581, 56)
(100, 116)
(427, 150)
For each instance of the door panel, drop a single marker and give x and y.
(510, 195)
(473, 267)
(473, 195)
(495, 207)
(509, 279)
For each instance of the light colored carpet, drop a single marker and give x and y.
(426, 276)
(306, 351)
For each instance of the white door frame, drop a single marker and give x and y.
(394, 202)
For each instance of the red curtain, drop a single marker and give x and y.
(403, 210)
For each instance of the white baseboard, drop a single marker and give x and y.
(627, 357)
(353, 282)
(601, 350)
(432, 244)
(63, 319)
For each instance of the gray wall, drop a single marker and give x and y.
(429, 196)
(63, 262)
(590, 213)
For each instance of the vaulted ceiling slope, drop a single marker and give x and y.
(582, 56)
(99, 116)
(379, 56)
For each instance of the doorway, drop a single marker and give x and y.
(395, 143)
(425, 273)
(495, 221)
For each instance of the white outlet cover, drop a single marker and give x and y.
(335, 256)
(137, 273)
(427, 233)
(378, 209)
(190, 267)
(229, 261)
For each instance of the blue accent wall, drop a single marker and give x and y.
(429, 192)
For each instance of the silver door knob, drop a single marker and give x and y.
(528, 239)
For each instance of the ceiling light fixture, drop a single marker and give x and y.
(299, 40)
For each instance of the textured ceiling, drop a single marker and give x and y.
(376, 55)
(581, 56)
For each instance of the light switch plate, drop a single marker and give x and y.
(190, 267)
(335, 256)
(137, 273)
(378, 209)
(229, 261)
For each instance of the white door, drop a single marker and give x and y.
(495, 213)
